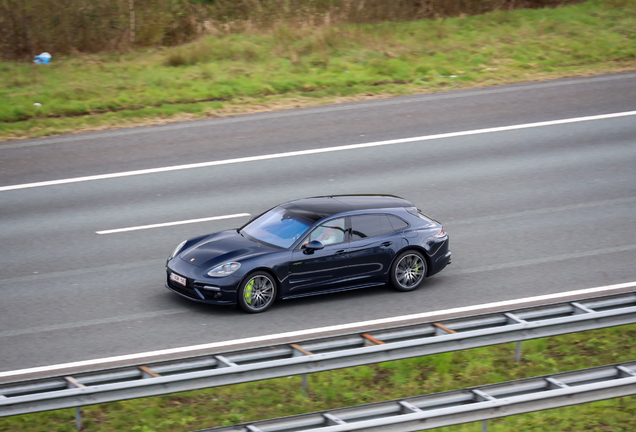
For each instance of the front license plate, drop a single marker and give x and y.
(178, 279)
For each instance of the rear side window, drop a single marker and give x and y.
(397, 223)
(372, 225)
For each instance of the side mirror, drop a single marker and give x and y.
(313, 246)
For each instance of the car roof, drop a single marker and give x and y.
(317, 208)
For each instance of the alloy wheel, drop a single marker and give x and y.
(410, 270)
(258, 292)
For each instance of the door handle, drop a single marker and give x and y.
(340, 252)
(387, 244)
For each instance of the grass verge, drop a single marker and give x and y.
(374, 383)
(301, 66)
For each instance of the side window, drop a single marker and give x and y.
(397, 223)
(331, 232)
(367, 226)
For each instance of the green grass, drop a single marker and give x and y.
(374, 383)
(294, 66)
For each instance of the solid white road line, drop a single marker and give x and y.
(315, 151)
(184, 222)
(312, 333)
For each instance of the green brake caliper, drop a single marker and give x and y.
(417, 268)
(248, 291)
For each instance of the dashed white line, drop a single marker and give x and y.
(315, 151)
(166, 224)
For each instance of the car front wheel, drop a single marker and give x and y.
(257, 292)
(408, 271)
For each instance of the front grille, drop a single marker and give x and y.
(187, 290)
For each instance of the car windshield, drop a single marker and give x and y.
(278, 227)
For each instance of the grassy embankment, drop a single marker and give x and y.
(373, 383)
(295, 66)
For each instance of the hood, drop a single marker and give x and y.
(223, 247)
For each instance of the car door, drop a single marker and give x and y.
(372, 246)
(324, 269)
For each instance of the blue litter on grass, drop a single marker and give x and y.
(43, 58)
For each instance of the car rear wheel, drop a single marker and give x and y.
(257, 292)
(408, 271)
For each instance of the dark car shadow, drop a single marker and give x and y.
(368, 295)
(337, 302)
(377, 294)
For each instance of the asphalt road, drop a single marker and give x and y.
(529, 211)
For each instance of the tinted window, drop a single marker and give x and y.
(330, 232)
(366, 226)
(278, 226)
(397, 223)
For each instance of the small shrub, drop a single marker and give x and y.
(177, 58)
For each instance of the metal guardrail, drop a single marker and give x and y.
(306, 357)
(293, 336)
(461, 406)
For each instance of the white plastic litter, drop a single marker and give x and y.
(43, 58)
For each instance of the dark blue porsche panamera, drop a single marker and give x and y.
(311, 246)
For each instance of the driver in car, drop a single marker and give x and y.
(329, 233)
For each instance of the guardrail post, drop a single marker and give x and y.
(479, 396)
(78, 418)
(73, 383)
(300, 351)
(514, 319)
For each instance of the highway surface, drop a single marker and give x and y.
(531, 210)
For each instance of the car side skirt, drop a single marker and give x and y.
(334, 290)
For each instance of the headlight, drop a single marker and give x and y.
(176, 251)
(225, 269)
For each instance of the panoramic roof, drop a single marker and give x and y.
(319, 207)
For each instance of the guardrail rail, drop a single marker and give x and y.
(461, 406)
(304, 357)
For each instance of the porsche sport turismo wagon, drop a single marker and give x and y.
(311, 246)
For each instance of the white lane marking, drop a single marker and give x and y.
(315, 151)
(161, 225)
(311, 333)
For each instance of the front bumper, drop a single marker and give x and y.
(199, 287)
